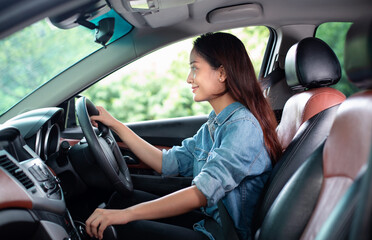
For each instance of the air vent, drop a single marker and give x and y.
(15, 171)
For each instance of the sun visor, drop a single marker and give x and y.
(146, 6)
(152, 12)
(235, 13)
(174, 15)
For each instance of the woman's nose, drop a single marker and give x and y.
(190, 78)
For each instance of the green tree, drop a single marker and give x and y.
(334, 34)
(36, 54)
(166, 94)
(255, 39)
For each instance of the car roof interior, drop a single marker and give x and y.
(193, 16)
(197, 16)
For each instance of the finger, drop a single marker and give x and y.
(100, 110)
(94, 123)
(87, 227)
(95, 117)
(89, 222)
(94, 227)
(102, 227)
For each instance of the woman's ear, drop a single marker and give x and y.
(222, 74)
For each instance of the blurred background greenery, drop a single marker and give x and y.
(334, 35)
(154, 87)
(33, 56)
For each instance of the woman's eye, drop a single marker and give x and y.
(193, 71)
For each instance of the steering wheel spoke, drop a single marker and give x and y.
(111, 142)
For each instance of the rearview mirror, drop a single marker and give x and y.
(105, 30)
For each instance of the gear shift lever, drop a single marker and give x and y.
(108, 234)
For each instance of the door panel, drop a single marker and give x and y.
(169, 132)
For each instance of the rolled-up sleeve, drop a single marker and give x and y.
(236, 157)
(179, 160)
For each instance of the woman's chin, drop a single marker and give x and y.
(196, 99)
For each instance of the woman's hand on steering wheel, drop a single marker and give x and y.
(104, 117)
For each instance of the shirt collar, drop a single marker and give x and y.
(224, 114)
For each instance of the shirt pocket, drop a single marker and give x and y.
(200, 154)
(200, 157)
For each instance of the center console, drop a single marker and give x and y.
(31, 186)
(32, 204)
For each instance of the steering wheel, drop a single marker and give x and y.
(104, 147)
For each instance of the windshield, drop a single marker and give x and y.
(36, 54)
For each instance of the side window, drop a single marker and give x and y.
(155, 87)
(334, 34)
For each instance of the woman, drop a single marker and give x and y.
(229, 158)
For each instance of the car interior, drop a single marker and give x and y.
(308, 115)
(56, 168)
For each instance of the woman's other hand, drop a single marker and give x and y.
(101, 219)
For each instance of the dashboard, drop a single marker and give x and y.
(35, 182)
(31, 198)
(41, 129)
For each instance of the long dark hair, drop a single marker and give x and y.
(223, 49)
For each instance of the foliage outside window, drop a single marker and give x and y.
(334, 34)
(155, 87)
(31, 57)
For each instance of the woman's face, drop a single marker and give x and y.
(206, 83)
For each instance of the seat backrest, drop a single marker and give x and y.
(309, 197)
(310, 66)
(344, 154)
(362, 74)
(353, 214)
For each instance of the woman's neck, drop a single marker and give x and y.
(219, 103)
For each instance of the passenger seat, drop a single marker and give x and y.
(310, 68)
(352, 216)
(308, 199)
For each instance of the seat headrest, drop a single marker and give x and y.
(358, 54)
(311, 63)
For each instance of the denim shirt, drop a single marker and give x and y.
(228, 160)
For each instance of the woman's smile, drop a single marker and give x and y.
(194, 88)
